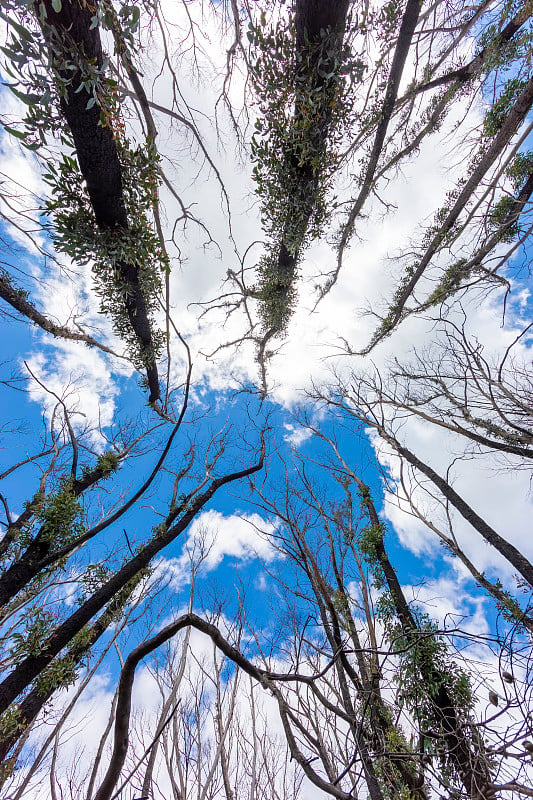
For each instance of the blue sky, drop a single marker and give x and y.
(209, 412)
(235, 572)
(224, 398)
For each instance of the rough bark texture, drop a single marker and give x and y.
(98, 158)
(312, 18)
(470, 764)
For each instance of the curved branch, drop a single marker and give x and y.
(263, 677)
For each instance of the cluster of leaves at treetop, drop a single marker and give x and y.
(62, 517)
(517, 50)
(305, 104)
(39, 75)
(76, 234)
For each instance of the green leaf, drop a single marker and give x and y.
(15, 133)
(56, 5)
(20, 29)
(28, 99)
(135, 15)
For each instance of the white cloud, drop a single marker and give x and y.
(213, 537)
(84, 385)
(296, 435)
(449, 607)
(243, 537)
(20, 178)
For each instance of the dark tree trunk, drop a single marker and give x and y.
(313, 18)
(98, 158)
(470, 764)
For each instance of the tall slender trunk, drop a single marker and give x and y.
(98, 157)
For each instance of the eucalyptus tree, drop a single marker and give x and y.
(347, 93)
(204, 731)
(293, 154)
(413, 722)
(381, 86)
(375, 699)
(48, 562)
(483, 404)
(103, 201)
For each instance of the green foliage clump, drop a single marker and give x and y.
(6, 278)
(390, 779)
(509, 607)
(516, 51)
(425, 667)
(389, 18)
(501, 215)
(277, 292)
(449, 282)
(43, 64)
(368, 540)
(520, 168)
(93, 578)
(10, 724)
(109, 250)
(500, 218)
(498, 113)
(389, 744)
(62, 517)
(34, 639)
(304, 102)
(61, 672)
(427, 674)
(290, 162)
(106, 464)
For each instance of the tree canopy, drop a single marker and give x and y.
(267, 398)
